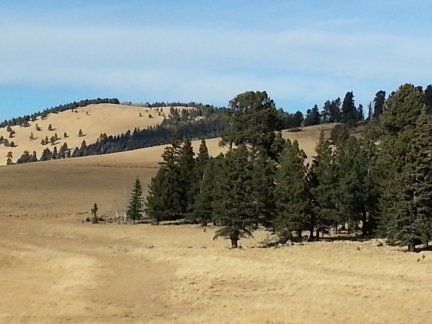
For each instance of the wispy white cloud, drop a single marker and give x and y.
(316, 61)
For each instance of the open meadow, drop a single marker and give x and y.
(55, 268)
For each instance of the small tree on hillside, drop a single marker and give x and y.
(50, 128)
(135, 208)
(80, 133)
(94, 214)
(9, 157)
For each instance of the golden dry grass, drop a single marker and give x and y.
(54, 268)
(92, 120)
(60, 270)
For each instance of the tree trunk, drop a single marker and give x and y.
(365, 226)
(311, 235)
(234, 244)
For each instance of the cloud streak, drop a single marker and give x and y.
(166, 62)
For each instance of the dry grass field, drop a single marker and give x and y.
(92, 120)
(56, 269)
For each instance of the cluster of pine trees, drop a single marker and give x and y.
(380, 183)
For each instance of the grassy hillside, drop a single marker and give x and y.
(92, 120)
(71, 186)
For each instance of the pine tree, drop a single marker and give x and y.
(352, 172)
(234, 210)
(293, 199)
(135, 208)
(202, 211)
(325, 191)
(94, 211)
(379, 103)
(197, 185)
(263, 184)
(253, 120)
(428, 98)
(187, 176)
(349, 111)
(403, 108)
(331, 111)
(165, 200)
(407, 194)
(313, 116)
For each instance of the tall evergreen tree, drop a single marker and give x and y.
(197, 184)
(263, 184)
(203, 211)
(332, 111)
(349, 110)
(313, 116)
(403, 108)
(325, 190)
(352, 175)
(428, 98)
(407, 195)
(233, 209)
(187, 176)
(135, 208)
(165, 200)
(293, 199)
(254, 119)
(379, 103)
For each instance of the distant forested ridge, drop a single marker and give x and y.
(54, 110)
(205, 122)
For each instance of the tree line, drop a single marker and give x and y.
(377, 185)
(24, 120)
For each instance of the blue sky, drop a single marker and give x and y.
(301, 52)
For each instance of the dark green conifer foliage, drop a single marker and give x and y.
(379, 102)
(428, 98)
(186, 165)
(313, 116)
(339, 134)
(349, 110)
(202, 211)
(157, 199)
(407, 194)
(277, 147)
(135, 207)
(263, 184)
(293, 199)
(352, 175)
(331, 111)
(325, 191)
(253, 120)
(170, 195)
(403, 108)
(197, 186)
(233, 208)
